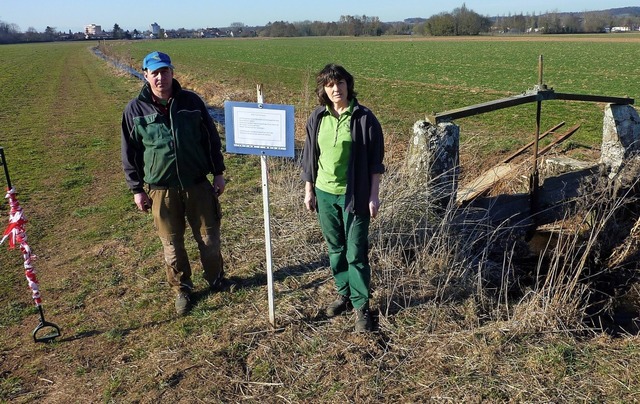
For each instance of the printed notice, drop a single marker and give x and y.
(260, 128)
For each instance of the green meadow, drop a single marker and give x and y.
(441, 334)
(403, 79)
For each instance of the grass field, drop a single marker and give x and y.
(404, 79)
(441, 335)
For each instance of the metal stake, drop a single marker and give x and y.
(534, 180)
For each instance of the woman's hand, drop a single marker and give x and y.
(309, 197)
(374, 198)
(374, 206)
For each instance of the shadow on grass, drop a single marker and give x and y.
(121, 332)
(260, 279)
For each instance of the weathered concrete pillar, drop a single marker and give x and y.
(620, 136)
(434, 159)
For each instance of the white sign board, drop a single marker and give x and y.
(263, 129)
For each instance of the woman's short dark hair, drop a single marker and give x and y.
(329, 74)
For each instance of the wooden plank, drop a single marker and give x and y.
(484, 182)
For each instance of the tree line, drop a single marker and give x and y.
(10, 33)
(461, 21)
(565, 23)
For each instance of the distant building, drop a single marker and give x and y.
(620, 29)
(155, 30)
(93, 30)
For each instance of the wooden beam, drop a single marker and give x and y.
(484, 182)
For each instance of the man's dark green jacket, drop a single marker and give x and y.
(172, 147)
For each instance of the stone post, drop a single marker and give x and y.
(433, 160)
(620, 136)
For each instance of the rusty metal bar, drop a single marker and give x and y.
(562, 138)
(534, 180)
(594, 98)
(481, 108)
(525, 147)
(535, 95)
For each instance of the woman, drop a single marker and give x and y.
(342, 165)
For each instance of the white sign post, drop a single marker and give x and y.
(264, 130)
(267, 226)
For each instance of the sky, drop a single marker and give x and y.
(74, 15)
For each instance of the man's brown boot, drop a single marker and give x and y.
(183, 303)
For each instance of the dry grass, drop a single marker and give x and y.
(452, 297)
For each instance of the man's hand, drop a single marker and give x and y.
(218, 184)
(142, 200)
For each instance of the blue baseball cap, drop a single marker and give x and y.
(156, 60)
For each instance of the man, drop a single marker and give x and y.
(169, 147)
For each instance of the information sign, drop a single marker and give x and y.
(262, 129)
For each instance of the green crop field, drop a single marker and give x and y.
(445, 331)
(403, 79)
